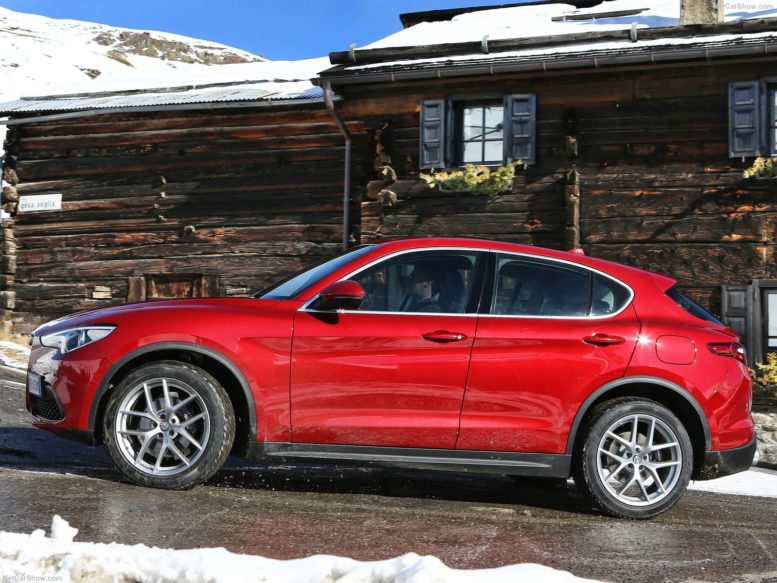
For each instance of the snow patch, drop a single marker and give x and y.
(59, 558)
(755, 482)
(14, 355)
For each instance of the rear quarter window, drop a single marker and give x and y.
(691, 307)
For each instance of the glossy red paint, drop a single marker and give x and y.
(529, 376)
(373, 379)
(444, 381)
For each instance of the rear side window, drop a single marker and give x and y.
(691, 307)
(526, 287)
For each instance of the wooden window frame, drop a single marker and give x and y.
(457, 105)
(441, 144)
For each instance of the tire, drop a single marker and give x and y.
(635, 460)
(168, 425)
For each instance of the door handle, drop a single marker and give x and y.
(603, 340)
(443, 336)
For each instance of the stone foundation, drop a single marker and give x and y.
(766, 429)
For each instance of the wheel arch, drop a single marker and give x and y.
(215, 363)
(675, 398)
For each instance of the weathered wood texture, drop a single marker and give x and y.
(170, 204)
(656, 187)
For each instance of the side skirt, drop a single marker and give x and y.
(493, 462)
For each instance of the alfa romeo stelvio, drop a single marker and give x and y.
(454, 354)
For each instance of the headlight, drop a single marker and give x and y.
(74, 338)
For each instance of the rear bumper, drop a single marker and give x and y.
(724, 463)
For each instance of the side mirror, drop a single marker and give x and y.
(341, 295)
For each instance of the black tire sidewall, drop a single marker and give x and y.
(219, 408)
(587, 468)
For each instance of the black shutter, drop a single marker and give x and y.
(737, 308)
(520, 128)
(745, 119)
(432, 134)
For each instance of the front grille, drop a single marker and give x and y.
(47, 408)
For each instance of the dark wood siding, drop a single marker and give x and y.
(192, 203)
(650, 148)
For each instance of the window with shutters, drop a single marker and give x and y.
(482, 130)
(772, 108)
(753, 118)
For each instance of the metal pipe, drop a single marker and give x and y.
(327, 86)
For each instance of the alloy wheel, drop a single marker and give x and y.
(639, 460)
(162, 427)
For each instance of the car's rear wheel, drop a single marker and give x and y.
(636, 458)
(169, 425)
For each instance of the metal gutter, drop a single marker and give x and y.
(558, 41)
(453, 69)
(156, 108)
(348, 148)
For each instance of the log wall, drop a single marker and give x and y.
(176, 203)
(648, 150)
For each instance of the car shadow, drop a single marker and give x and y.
(552, 494)
(34, 450)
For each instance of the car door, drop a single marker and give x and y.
(384, 375)
(552, 334)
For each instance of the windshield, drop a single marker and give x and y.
(691, 307)
(298, 282)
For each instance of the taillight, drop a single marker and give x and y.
(732, 349)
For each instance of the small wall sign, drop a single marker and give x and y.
(40, 202)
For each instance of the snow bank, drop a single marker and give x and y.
(14, 355)
(58, 558)
(754, 482)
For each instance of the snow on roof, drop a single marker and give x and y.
(549, 20)
(260, 81)
(589, 53)
(539, 37)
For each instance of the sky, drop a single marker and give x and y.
(277, 30)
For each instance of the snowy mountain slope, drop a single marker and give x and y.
(37, 53)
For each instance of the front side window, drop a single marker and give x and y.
(422, 282)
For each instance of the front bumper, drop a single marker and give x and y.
(724, 463)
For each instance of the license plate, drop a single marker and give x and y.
(34, 384)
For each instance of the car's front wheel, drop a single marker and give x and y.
(168, 425)
(636, 458)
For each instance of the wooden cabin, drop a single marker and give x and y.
(634, 141)
(183, 192)
(633, 129)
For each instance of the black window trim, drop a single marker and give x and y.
(455, 104)
(491, 284)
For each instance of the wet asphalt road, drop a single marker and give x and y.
(469, 521)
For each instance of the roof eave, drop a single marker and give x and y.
(495, 46)
(656, 57)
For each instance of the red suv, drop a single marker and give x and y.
(454, 354)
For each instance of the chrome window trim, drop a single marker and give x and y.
(304, 307)
(626, 304)
(387, 257)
